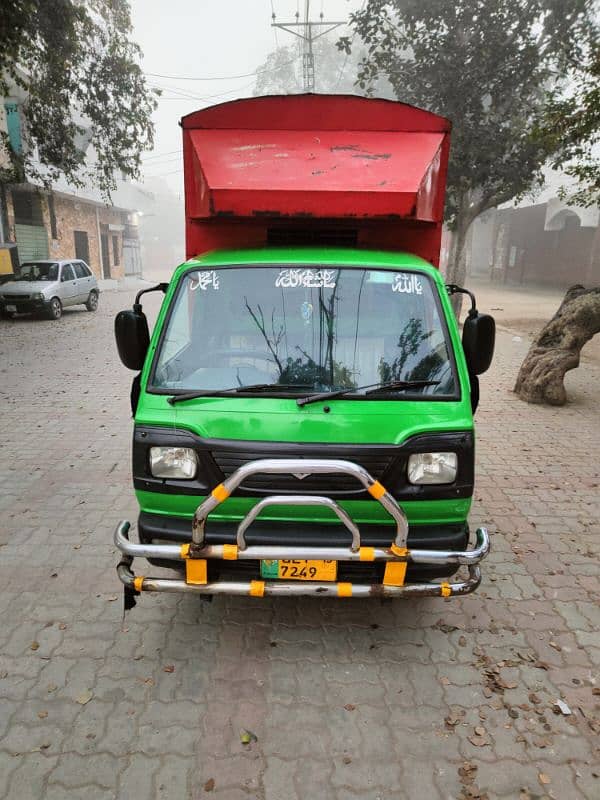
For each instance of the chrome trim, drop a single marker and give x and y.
(306, 588)
(301, 500)
(260, 552)
(310, 466)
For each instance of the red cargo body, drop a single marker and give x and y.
(319, 169)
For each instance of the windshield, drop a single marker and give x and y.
(322, 328)
(33, 271)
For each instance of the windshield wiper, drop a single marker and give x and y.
(253, 387)
(392, 386)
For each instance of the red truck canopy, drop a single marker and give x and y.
(329, 169)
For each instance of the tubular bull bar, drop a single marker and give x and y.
(397, 556)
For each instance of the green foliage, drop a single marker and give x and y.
(572, 128)
(79, 74)
(281, 73)
(487, 65)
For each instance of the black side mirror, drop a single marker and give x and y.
(478, 339)
(133, 337)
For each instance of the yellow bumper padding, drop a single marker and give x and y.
(399, 551)
(445, 590)
(230, 552)
(344, 589)
(257, 588)
(377, 490)
(138, 583)
(220, 493)
(367, 553)
(395, 573)
(196, 572)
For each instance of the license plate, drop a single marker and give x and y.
(299, 569)
(11, 309)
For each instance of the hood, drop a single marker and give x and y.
(24, 287)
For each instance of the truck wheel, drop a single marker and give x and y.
(54, 309)
(92, 301)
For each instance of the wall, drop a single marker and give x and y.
(73, 214)
(77, 215)
(527, 246)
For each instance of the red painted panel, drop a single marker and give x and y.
(322, 111)
(376, 164)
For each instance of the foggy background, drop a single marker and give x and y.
(210, 42)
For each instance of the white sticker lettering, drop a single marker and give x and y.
(407, 284)
(306, 279)
(204, 281)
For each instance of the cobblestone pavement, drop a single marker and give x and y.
(429, 699)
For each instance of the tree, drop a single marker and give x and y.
(487, 65)
(557, 347)
(572, 124)
(282, 71)
(78, 72)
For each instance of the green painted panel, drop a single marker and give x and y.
(32, 241)
(280, 419)
(418, 512)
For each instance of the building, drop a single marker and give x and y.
(545, 243)
(58, 225)
(69, 222)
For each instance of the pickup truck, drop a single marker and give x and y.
(303, 410)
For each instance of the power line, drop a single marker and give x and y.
(183, 94)
(164, 174)
(307, 36)
(160, 155)
(273, 16)
(220, 77)
(162, 161)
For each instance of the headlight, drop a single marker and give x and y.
(38, 296)
(173, 462)
(432, 467)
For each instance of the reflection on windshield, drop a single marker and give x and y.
(37, 272)
(326, 329)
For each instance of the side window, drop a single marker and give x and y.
(79, 270)
(86, 270)
(67, 273)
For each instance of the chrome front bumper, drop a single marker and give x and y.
(196, 553)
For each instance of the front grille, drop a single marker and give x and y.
(9, 297)
(377, 463)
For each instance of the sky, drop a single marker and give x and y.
(208, 39)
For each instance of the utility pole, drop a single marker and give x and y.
(308, 32)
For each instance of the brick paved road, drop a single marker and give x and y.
(347, 699)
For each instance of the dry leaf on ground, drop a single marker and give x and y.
(84, 697)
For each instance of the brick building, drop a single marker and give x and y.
(61, 226)
(69, 222)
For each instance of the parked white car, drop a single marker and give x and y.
(48, 287)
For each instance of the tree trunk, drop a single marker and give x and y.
(557, 347)
(457, 263)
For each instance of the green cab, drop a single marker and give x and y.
(303, 424)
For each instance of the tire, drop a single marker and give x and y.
(92, 301)
(54, 309)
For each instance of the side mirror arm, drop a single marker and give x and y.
(452, 288)
(160, 287)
